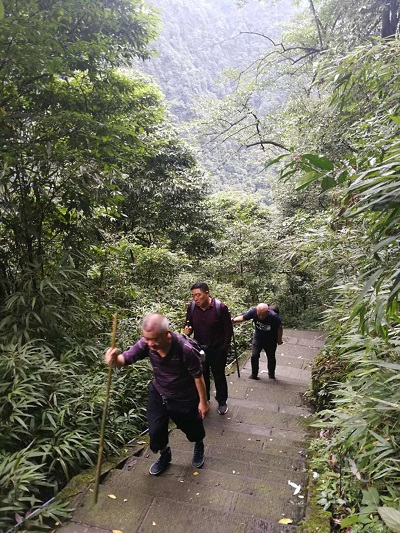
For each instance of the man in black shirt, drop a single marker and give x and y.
(177, 391)
(267, 334)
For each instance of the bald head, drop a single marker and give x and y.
(262, 310)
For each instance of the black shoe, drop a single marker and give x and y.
(222, 409)
(162, 463)
(271, 376)
(198, 455)
(252, 376)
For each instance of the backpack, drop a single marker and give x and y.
(217, 308)
(194, 344)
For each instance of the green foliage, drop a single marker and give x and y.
(355, 377)
(50, 419)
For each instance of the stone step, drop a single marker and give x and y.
(295, 362)
(259, 467)
(236, 442)
(265, 390)
(124, 495)
(204, 520)
(228, 492)
(294, 375)
(296, 351)
(309, 341)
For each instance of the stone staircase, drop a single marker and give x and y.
(251, 455)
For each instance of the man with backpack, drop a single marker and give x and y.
(267, 335)
(177, 392)
(211, 323)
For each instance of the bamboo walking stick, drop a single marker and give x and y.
(105, 409)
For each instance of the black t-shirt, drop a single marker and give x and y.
(266, 329)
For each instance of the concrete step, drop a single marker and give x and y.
(294, 362)
(266, 390)
(307, 338)
(286, 372)
(179, 483)
(133, 501)
(297, 351)
(236, 442)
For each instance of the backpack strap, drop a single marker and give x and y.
(217, 308)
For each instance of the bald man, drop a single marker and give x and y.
(177, 392)
(267, 335)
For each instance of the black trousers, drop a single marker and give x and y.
(270, 350)
(184, 413)
(216, 363)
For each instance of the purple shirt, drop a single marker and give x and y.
(209, 328)
(173, 374)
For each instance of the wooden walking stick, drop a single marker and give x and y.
(105, 409)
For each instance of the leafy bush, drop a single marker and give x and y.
(50, 419)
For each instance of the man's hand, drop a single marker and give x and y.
(280, 341)
(111, 357)
(188, 330)
(204, 407)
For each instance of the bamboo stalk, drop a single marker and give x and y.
(105, 409)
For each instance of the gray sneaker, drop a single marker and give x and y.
(222, 409)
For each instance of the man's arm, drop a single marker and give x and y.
(139, 350)
(201, 389)
(248, 315)
(279, 336)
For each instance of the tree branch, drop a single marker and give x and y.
(263, 141)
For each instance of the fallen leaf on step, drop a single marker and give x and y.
(116, 531)
(112, 496)
(285, 521)
(154, 524)
(195, 473)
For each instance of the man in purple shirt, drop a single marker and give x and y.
(211, 323)
(177, 391)
(267, 334)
